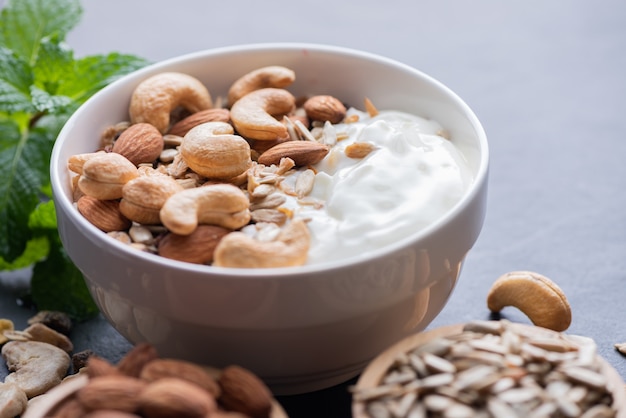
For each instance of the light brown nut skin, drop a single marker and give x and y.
(216, 204)
(212, 151)
(209, 115)
(325, 108)
(103, 214)
(155, 98)
(36, 367)
(271, 76)
(140, 143)
(116, 392)
(289, 249)
(45, 334)
(197, 247)
(104, 175)
(303, 153)
(143, 197)
(13, 400)
(172, 397)
(134, 361)
(253, 114)
(535, 295)
(243, 391)
(165, 367)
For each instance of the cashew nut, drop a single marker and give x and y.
(143, 197)
(535, 295)
(35, 366)
(217, 204)
(13, 400)
(271, 76)
(252, 115)
(290, 248)
(156, 97)
(104, 175)
(211, 150)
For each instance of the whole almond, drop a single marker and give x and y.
(117, 392)
(197, 247)
(325, 108)
(243, 391)
(162, 368)
(140, 143)
(103, 214)
(135, 360)
(203, 116)
(171, 397)
(97, 367)
(303, 153)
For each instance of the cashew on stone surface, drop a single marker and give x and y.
(154, 99)
(219, 204)
(289, 249)
(35, 366)
(271, 76)
(535, 295)
(211, 150)
(254, 114)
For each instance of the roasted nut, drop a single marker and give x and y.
(155, 98)
(197, 247)
(58, 321)
(118, 392)
(289, 249)
(212, 151)
(216, 204)
(538, 297)
(45, 334)
(303, 153)
(272, 76)
(103, 214)
(140, 143)
(13, 400)
(143, 197)
(253, 114)
(173, 397)
(163, 367)
(36, 367)
(209, 115)
(325, 108)
(104, 175)
(135, 360)
(243, 391)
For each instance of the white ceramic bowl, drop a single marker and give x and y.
(303, 328)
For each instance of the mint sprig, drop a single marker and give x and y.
(41, 84)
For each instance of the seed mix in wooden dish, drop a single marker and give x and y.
(490, 369)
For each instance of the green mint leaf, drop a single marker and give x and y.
(24, 159)
(36, 250)
(94, 72)
(15, 81)
(57, 285)
(24, 23)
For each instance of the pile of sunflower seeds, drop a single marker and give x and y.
(494, 369)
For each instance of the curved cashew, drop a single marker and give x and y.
(212, 151)
(217, 204)
(289, 249)
(535, 295)
(36, 366)
(143, 197)
(271, 76)
(156, 97)
(104, 175)
(252, 114)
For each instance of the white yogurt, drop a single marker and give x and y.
(412, 178)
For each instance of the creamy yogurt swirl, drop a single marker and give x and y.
(412, 178)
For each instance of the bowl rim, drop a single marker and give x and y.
(480, 178)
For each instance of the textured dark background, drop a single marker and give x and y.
(548, 82)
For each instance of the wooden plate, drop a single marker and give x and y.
(376, 370)
(42, 406)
